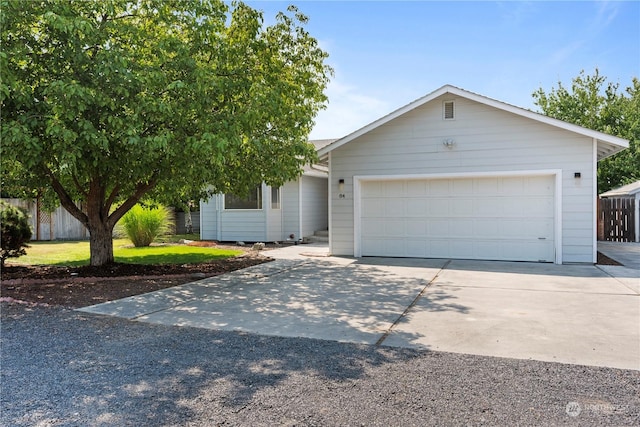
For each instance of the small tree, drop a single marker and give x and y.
(15, 233)
(594, 103)
(143, 225)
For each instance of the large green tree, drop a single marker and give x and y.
(596, 104)
(107, 102)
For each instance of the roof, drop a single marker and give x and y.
(607, 144)
(625, 190)
(321, 143)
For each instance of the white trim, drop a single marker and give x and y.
(616, 144)
(359, 179)
(299, 237)
(594, 198)
(330, 207)
(267, 210)
(558, 220)
(219, 201)
(637, 202)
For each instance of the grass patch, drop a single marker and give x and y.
(76, 253)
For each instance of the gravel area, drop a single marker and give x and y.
(64, 368)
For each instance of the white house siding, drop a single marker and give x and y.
(243, 225)
(290, 209)
(234, 225)
(486, 140)
(315, 211)
(274, 216)
(209, 218)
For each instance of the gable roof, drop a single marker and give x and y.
(625, 190)
(607, 144)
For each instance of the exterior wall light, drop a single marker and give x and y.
(448, 142)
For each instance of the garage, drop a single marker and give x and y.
(486, 218)
(458, 175)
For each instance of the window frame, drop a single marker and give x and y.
(278, 204)
(259, 201)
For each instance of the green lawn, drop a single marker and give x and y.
(75, 253)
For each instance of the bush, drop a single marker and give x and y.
(15, 233)
(143, 225)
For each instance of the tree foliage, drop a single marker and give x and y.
(594, 103)
(15, 231)
(106, 102)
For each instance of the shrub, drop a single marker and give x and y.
(143, 225)
(15, 232)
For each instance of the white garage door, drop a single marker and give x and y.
(498, 218)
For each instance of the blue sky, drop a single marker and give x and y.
(389, 53)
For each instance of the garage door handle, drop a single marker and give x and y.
(542, 238)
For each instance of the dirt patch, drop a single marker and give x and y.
(82, 286)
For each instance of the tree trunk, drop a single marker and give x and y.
(101, 244)
(188, 224)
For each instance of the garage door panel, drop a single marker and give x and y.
(439, 187)
(394, 189)
(416, 228)
(372, 207)
(438, 206)
(463, 228)
(394, 228)
(417, 207)
(509, 218)
(417, 188)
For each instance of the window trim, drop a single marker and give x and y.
(260, 201)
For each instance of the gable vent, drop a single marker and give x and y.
(448, 110)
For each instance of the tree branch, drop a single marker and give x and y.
(141, 190)
(65, 200)
(78, 186)
(112, 196)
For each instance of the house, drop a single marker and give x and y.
(458, 175)
(292, 212)
(620, 213)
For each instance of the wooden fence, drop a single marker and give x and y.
(58, 224)
(617, 220)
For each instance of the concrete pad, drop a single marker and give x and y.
(562, 313)
(330, 298)
(626, 253)
(568, 314)
(627, 276)
(139, 305)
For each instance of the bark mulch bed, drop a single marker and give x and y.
(75, 287)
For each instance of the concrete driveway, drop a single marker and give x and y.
(569, 314)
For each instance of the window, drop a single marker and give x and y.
(448, 110)
(252, 201)
(275, 198)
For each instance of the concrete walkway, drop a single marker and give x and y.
(570, 314)
(627, 254)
